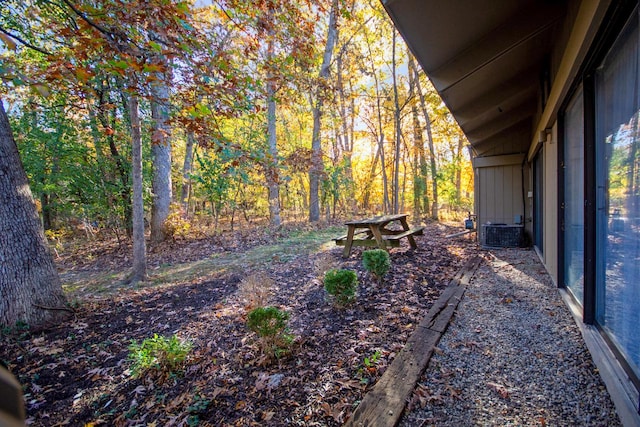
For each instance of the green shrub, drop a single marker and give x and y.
(376, 262)
(270, 323)
(175, 225)
(165, 355)
(342, 285)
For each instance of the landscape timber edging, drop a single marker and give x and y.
(384, 404)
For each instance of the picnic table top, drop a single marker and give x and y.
(381, 219)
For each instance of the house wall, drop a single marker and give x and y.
(588, 19)
(551, 232)
(499, 188)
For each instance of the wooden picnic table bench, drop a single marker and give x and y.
(373, 232)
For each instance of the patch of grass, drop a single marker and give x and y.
(294, 244)
(158, 353)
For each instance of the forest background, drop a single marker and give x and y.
(173, 124)
(213, 113)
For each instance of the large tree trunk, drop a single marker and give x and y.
(161, 152)
(316, 169)
(29, 283)
(139, 271)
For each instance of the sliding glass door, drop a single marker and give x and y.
(573, 207)
(538, 201)
(618, 195)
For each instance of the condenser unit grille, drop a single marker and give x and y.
(502, 236)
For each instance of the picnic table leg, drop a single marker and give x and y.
(405, 226)
(378, 236)
(349, 242)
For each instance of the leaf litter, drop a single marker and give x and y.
(78, 373)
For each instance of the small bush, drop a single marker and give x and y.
(270, 323)
(342, 285)
(255, 290)
(176, 225)
(376, 262)
(161, 354)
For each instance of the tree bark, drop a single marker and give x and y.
(161, 152)
(29, 283)
(316, 169)
(139, 271)
(272, 159)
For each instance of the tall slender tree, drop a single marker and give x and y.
(139, 270)
(420, 174)
(397, 125)
(186, 171)
(316, 168)
(432, 154)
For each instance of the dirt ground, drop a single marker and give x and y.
(78, 373)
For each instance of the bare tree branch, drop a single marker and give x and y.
(24, 42)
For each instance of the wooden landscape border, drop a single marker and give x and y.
(384, 404)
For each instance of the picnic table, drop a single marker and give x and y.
(373, 232)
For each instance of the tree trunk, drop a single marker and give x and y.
(29, 283)
(161, 152)
(348, 124)
(398, 129)
(432, 155)
(385, 189)
(123, 172)
(315, 171)
(139, 272)
(186, 171)
(272, 159)
(458, 165)
(420, 194)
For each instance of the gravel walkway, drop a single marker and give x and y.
(512, 355)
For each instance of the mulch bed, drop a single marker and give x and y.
(79, 372)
